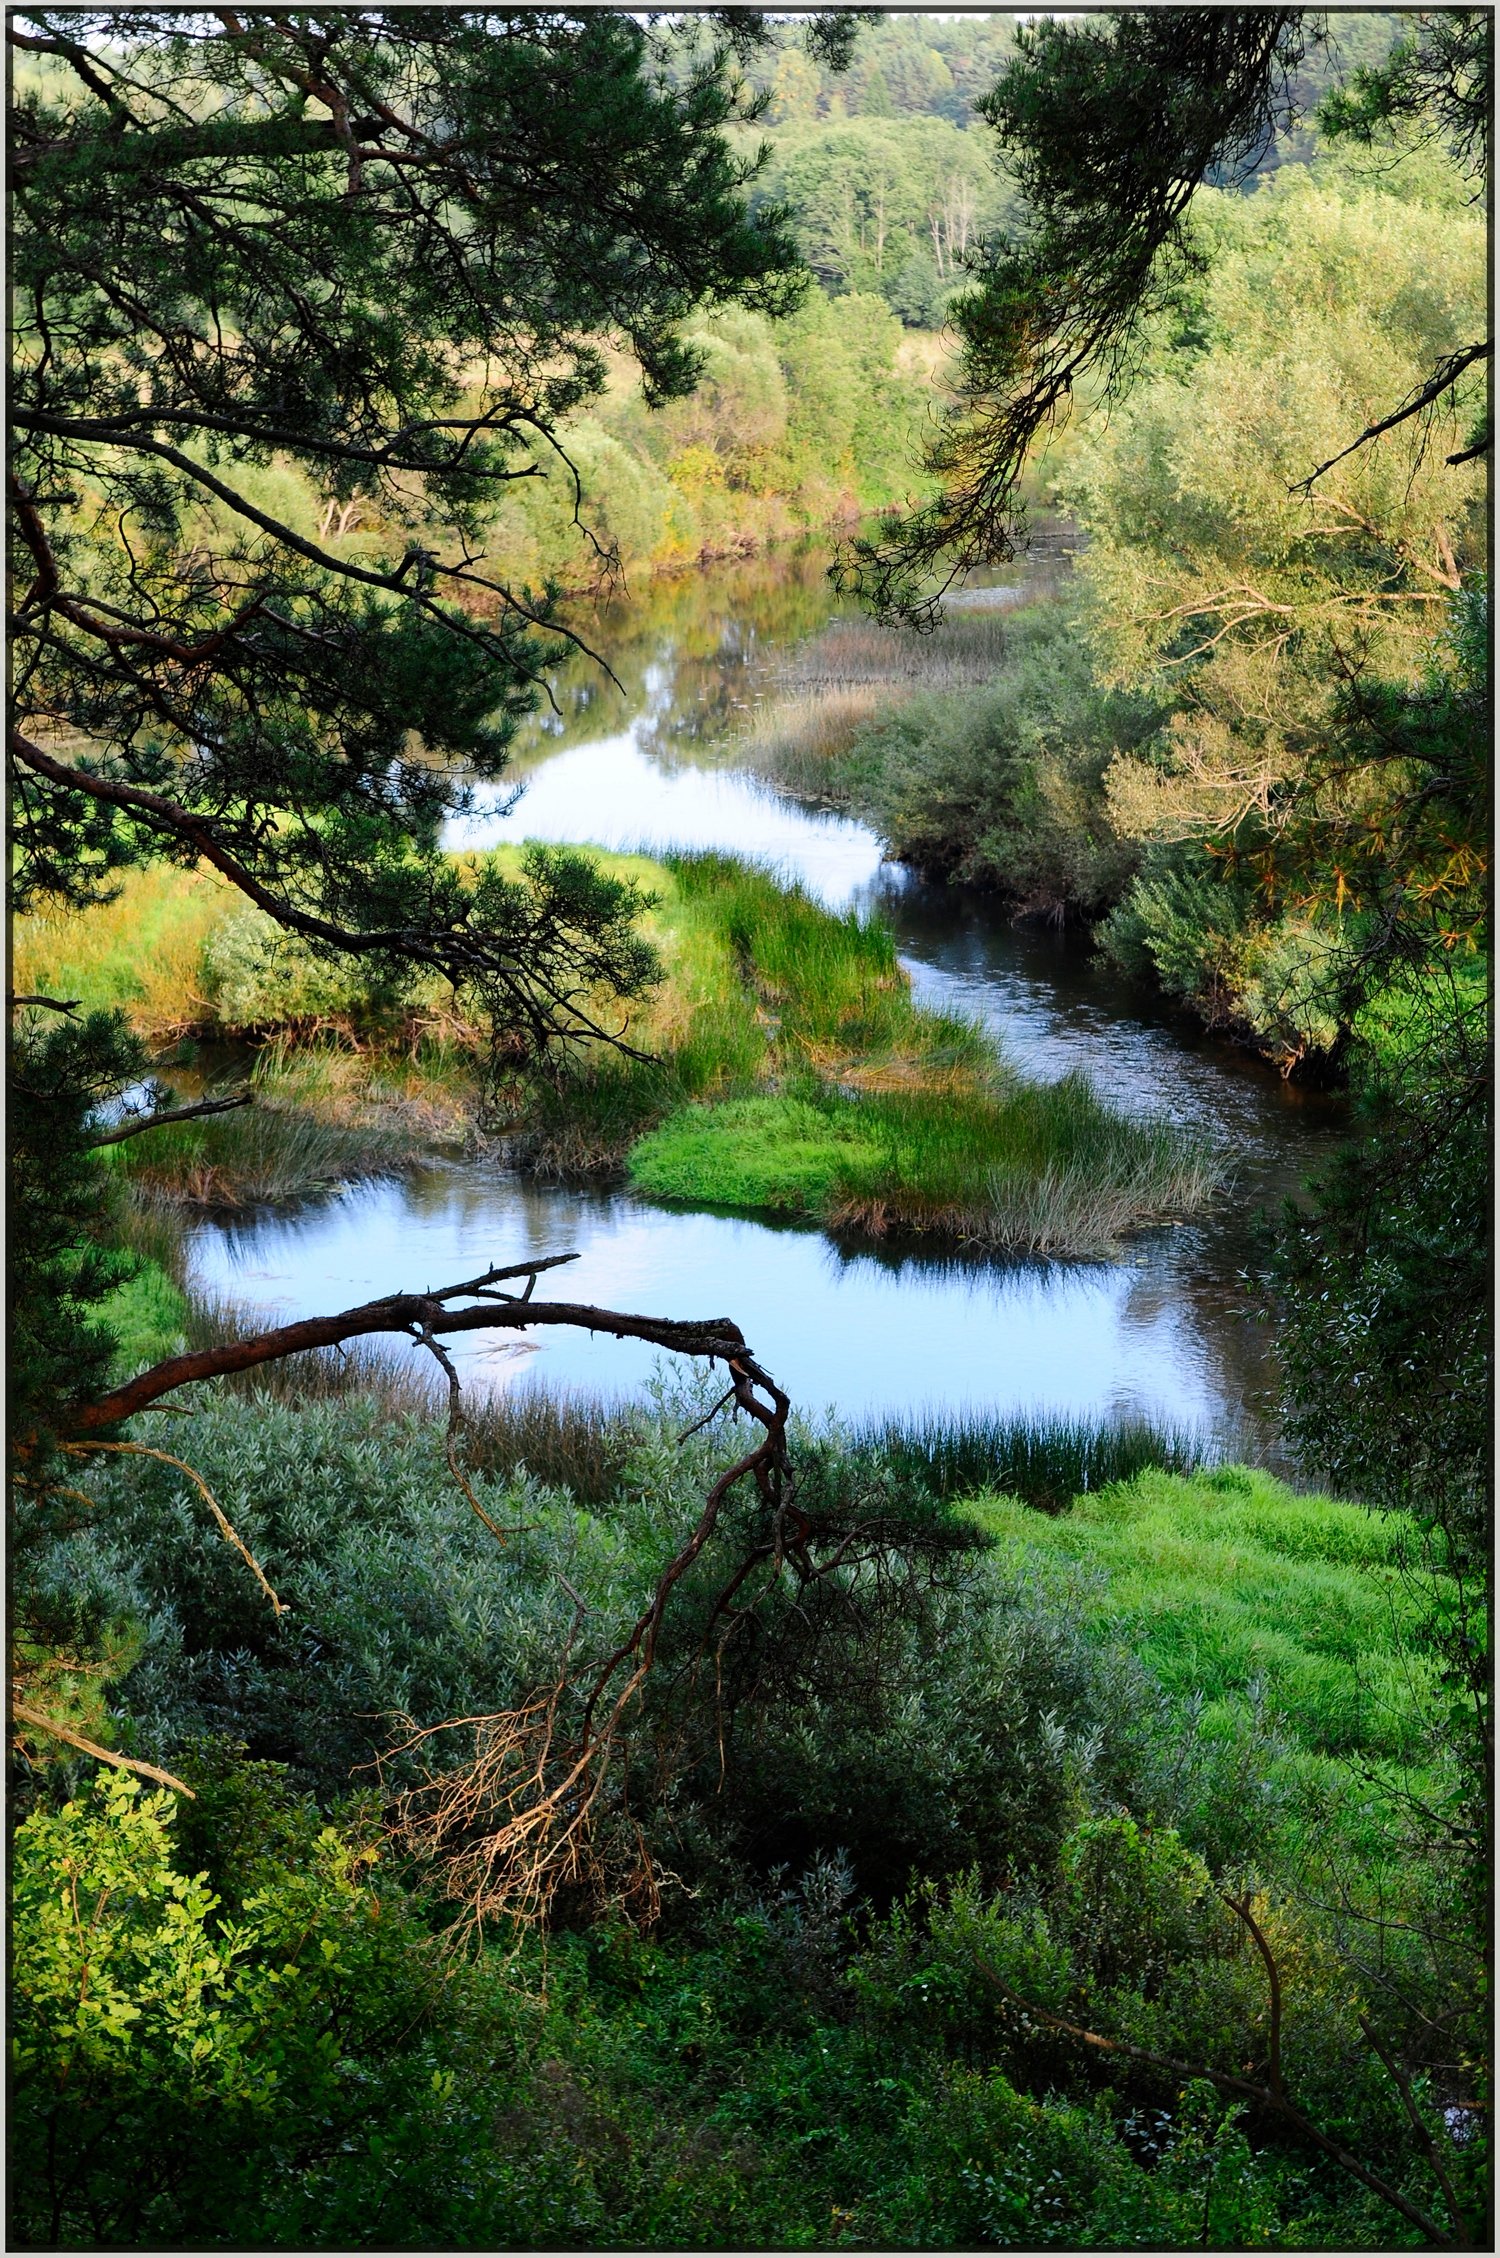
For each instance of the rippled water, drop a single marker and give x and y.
(862, 1325)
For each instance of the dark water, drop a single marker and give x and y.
(864, 1326)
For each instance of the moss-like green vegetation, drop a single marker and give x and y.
(815, 1084)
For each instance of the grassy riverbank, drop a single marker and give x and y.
(790, 1070)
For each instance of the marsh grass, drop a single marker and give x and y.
(260, 1156)
(424, 1090)
(143, 953)
(761, 981)
(794, 1071)
(1047, 1459)
(1046, 1169)
(854, 672)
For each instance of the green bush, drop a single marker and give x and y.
(290, 2071)
(1004, 787)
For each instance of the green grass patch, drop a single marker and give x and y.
(148, 1316)
(1231, 1588)
(750, 1153)
(1048, 1168)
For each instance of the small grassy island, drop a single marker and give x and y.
(789, 1069)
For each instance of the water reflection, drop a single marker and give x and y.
(862, 1328)
(865, 1325)
(618, 794)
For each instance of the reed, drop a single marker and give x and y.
(1047, 1459)
(260, 1156)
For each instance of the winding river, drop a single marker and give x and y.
(863, 1325)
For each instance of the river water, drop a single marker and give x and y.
(866, 1326)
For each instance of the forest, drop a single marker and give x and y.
(831, 667)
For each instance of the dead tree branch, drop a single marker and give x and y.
(1230, 2084)
(172, 1113)
(413, 1315)
(512, 1826)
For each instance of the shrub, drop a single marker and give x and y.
(286, 2067)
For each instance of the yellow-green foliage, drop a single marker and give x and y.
(146, 952)
(1228, 1583)
(1319, 311)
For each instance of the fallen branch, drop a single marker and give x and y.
(41, 1724)
(411, 1314)
(172, 1113)
(143, 1450)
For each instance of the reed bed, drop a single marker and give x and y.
(1046, 1169)
(1047, 1459)
(851, 675)
(261, 1156)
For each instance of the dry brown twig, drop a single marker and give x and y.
(513, 1825)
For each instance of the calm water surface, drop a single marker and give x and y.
(867, 1326)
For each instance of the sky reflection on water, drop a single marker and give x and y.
(870, 1327)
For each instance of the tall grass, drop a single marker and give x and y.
(1233, 1589)
(143, 953)
(261, 1155)
(1047, 1459)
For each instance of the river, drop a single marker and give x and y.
(864, 1326)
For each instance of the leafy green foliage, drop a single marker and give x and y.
(191, 2067)
(61, 1070)
(1108, 126)
(1003, 787)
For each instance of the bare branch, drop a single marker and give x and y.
(405, 1313)
(1241, 1907)
(1229, 2084)
(172, 1113)
(41, 1724)
(1403, 2087)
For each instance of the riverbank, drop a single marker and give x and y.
(789, 1070)
(1175, 1682)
